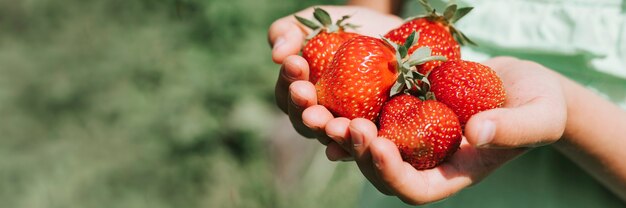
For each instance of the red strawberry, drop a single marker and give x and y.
(436, 32)
(324, 41)
(358, 80)
(426, 132)
(466, 87)
(362, 74)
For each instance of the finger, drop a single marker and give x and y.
(410, 185)
(362, 132)
(286, 37)
(532, 115)
(335, 152)
(338, 130)
(314, 118)
(534, 123)
(293, 69)
(301, 96)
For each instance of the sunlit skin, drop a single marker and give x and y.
(541, 108)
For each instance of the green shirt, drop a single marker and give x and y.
(584, 40)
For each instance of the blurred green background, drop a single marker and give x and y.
(152, 104)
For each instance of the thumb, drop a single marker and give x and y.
(286, 37)
(538, 122)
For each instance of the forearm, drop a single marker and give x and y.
(384, 6)
(595, 136)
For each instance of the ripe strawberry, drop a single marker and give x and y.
(436, 32)
(358, 80)
(362, 74)
(426, 132)
(324, 41)
(466, 87)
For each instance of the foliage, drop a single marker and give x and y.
(142, 104)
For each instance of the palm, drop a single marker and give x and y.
(523, 86)
(531, 94)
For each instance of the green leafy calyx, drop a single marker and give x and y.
(409, 80)
(324, 22)
(451, 15)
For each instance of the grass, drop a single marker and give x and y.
(152, 104)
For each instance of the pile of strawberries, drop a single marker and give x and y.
(412, 82)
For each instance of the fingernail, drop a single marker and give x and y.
(357, 137)
(292, 74)
(279, 41)
(296, 99)
(337, 139)
(486, 133)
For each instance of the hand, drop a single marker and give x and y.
(534, 114)
(293, 92)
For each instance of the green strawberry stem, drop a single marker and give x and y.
(451, 15)
(324, 22)
(409, 80)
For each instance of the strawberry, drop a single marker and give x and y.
(363, 73)
(359, 79)
(324, 41)
(425, 132)
(466, 87)
(436, 32)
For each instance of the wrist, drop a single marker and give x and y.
(572, 103)
(594, 136)
(591, 119)
(565, 86)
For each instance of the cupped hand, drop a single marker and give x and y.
(293, 92)
(534, 114)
